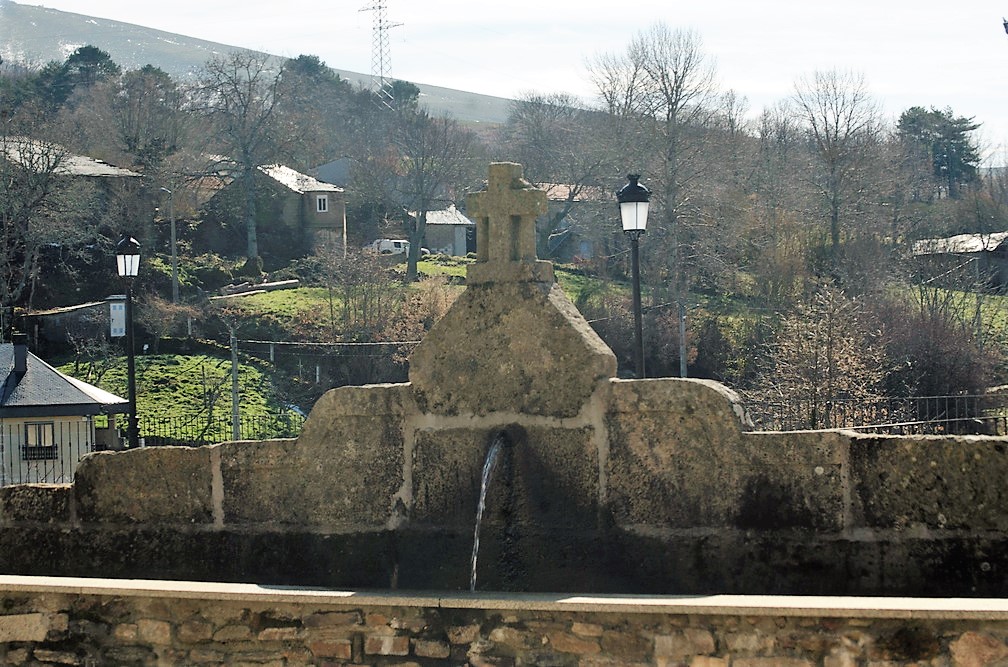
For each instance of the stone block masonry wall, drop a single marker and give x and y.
(107, 622)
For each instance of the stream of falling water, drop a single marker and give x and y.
(488, 468)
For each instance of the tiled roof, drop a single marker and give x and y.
(44, 391)
(296, 181)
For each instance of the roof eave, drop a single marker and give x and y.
(79, 410)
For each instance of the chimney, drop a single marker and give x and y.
(20, 341)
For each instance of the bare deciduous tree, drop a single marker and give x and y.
(557, 142)
(160, 317)
(149, 118)
(87, 335)
(239, 94)
(842, 122)
(435, 160)
(361, 294)
(826, 350)
(38, 206)
(662, 92)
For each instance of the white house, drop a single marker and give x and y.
(48, 420)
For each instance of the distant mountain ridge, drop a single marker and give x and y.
(37, 35)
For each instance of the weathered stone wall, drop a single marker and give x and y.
(103, 622)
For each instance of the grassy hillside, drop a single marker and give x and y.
(36, 35)
(304, 313)
(190, 395)
(191, 387)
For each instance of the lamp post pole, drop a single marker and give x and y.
(174, 247)
(128, 264)
(637, 315)
(133, 427)
(633, 202)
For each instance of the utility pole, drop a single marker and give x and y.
(174, 247)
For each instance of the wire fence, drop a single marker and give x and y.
(983, 414)
(215, 428)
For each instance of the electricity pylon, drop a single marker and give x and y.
(381, 83)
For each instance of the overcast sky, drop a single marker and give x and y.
(910, 52)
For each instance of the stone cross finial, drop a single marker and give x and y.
(505, 215)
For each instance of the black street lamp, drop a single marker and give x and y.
(633, 202)
(128, 265)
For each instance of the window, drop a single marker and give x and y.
(322, 203)
(40, 445)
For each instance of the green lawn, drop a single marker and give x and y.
(442, 265)
(284, 304)
(278, 314)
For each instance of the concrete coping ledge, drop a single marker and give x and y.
(715, 605)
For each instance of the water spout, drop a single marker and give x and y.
(488, 467)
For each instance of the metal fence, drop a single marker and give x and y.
(212, 429)
(47, 450)
(43, 450)
(985, 414)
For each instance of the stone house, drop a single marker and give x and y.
(317, 208)
(57, 325)
(40, 156)
(49, 420)
(45, 159)
(294, 212)
(105, 196)
(449, 232)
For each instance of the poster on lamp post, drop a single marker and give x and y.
(117, 316)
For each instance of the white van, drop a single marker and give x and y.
(392, 247)
(389, 246)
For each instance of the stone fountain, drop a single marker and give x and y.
(604, 484)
